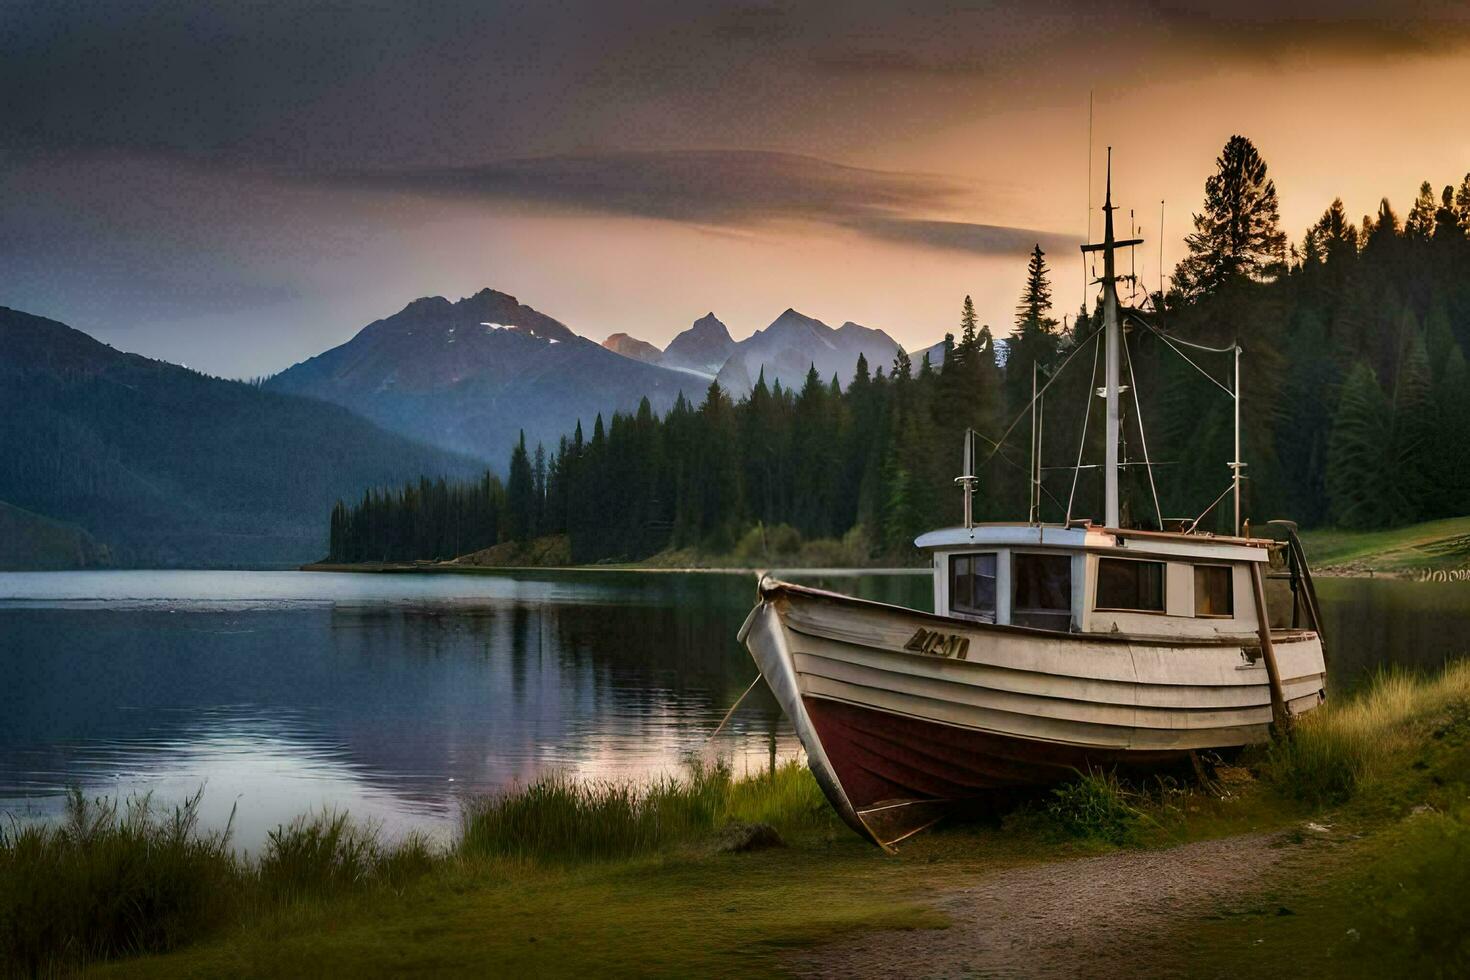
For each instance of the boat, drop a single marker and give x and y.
(1053, 649)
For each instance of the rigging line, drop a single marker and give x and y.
(1142, 436)
(1205, 513)
(1181, 340)
(1077, 349)
(1086, 416)
(1189, 360)
(723, 721)
(1017, 464)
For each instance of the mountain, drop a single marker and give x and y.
(469, 376)
(793, 343)
(703, 348)
(142, 462)
(628, 346)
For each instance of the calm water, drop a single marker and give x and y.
(395, 696)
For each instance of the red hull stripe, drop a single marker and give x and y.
(880, 757)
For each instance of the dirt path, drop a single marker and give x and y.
(1087, 917)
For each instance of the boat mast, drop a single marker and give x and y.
(1112, 355)
(1113, 341)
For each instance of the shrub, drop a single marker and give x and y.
(1094, 806)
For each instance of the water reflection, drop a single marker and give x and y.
(395, 696)
(283, 696)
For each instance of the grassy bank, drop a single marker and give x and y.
(670, 878)
(760, 547)
(1430, 547)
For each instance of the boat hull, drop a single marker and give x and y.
(906, 715)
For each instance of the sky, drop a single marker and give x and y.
(240, 185)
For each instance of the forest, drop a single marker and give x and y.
(1355, 410)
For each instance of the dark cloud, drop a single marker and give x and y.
(284, 83)
(721, 187)
(966, 237)
(718, 186)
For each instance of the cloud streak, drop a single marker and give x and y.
(722, 187)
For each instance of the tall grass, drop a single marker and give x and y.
(110, 881)
(116, 880)
(557, 818)
(1343, 746)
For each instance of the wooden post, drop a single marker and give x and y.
(1280, 716)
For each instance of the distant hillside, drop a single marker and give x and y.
(34, 543)
(165, 466)
(793, 342)
(471, 375)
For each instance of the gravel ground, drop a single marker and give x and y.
(1089, 917)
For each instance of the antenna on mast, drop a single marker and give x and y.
(966, 479)
(1161, 256)
(1089, 195)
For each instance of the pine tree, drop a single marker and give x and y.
(1357, 477)
(1034, 340)
(968, 320)
(520, 501)
(1414, 425)
(1420, 223)
(1238, 235)
(1451, 456)
(538, 492)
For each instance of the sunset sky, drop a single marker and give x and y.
(238, 186)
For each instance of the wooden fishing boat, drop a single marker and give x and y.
(1052, 649)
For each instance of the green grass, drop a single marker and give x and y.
(557, 818)
(1433, 545)
(1377, 888)
(109, 881)
(1367, 740)
(116, 880)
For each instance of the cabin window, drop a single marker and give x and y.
(1125, 584)
(972, 585)
(1041, 594)
(1214, 590)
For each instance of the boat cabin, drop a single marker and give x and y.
(1086, 579)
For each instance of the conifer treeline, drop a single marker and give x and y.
(1356, 411)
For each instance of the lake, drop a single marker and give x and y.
(395, 696)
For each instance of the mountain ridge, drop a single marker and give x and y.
(165, 466)
(470, 376)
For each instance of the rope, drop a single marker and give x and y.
(1205, 513)
(1055, 375)
(1142, 437)
(1086, 417)
(1006, 459)
(723, 721)
(1189, 360)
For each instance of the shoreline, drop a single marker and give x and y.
(449, 568)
